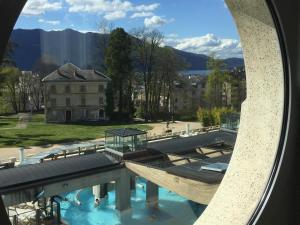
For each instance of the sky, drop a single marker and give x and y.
(198, 26)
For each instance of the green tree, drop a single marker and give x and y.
(110, 105)
(214, 116)
(238, 88)
(215, 82)
(119, 68)
(11, 90)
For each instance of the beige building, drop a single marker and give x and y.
(73, 95)
(188, 95)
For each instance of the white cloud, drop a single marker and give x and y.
(51, 22)
(142, 14)
(111, 9)
(99, 6)
(207, 44)
(156, 21)
(38, 7)
(115, 15)
(151, 7)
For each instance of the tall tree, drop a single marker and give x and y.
(215, 81)
(119, 68)
(11, 77)
(146, 44)
(110, 105)
(166, 71)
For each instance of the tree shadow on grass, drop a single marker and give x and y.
(42, 140)
(20, 139)
(101, 123)
(3, 124)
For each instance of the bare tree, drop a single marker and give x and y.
(42, 67)
(104, 28)
(146, 43)
(24, 87)
(36, 90)
(166, 73)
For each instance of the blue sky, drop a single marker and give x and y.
(199, 26)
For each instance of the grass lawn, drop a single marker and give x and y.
(8, 122)
(39, 133)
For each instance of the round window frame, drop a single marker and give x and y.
(265, 12)
(279, 152)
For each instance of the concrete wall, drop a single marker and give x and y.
(193, 190)
(261, 118)
(27, 195)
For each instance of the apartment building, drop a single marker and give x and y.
(73, 95)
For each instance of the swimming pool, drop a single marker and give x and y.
(173, 209)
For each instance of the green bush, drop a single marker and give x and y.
(212, 117)
(205, 117)
(186, 117)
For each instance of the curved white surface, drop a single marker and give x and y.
(261, 118)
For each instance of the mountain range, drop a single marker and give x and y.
(81, 49)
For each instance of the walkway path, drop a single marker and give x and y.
(24, 118)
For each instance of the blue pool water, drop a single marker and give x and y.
(173, 209)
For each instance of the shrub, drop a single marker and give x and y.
(205, 117)
(211, 117)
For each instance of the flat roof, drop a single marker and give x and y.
(195, 172)
(189, 143)
(67, 147)
(54, 171)
(125, 132)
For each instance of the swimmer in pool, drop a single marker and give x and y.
(97, 202)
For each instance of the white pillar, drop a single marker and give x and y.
(96, 192)
(187, 129)
(21, 154)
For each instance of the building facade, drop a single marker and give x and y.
(188, 94)
(74, 95)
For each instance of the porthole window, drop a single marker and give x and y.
(168, 146)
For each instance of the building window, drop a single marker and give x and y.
(67, 89)
(83, 101)
(82, 88)
(101, 88)
(68, 102)
(53, 89)
(53, 102)
(101, 101)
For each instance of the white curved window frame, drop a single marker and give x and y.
(252, 164)
(261, 124)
